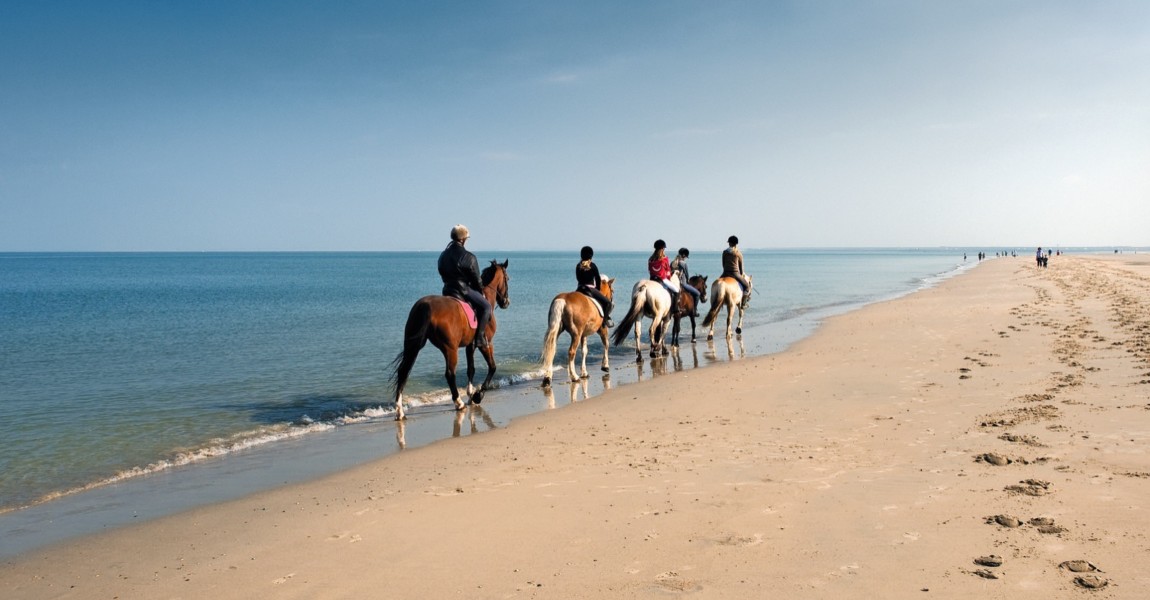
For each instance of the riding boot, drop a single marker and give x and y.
(675, 303)
(480, 340)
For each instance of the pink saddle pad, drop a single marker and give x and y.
(467, 310)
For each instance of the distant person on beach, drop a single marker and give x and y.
(733, 267)
(679, 268)
(1038, 257)
(459, 270)
(659, 267)
(588, 278)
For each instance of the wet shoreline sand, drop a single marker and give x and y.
(988, 436)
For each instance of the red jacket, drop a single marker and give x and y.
(659, 268)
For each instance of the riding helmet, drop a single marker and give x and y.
(733, 240)
(460, 233)
(684, 252)
(586, 253)
(660, 244)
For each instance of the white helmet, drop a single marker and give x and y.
(460, 233)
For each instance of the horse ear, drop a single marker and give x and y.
(504, 265)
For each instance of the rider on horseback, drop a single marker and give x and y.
(679, 267)
(733, 268)
(587, 276)
(660, 269)
(459, 270)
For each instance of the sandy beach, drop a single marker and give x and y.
(985, 438)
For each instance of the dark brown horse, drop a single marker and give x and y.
(441, 321)
(688, 308)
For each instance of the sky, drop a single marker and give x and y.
(376, 125)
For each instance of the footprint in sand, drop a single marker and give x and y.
(992, 458)
(1005, 521)
(671, 581)
(1046, 526)
(991, 560)
(1029, 487)
(1091, 582)
(1079, 566)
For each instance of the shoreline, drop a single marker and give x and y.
(170, 489)
(649, 491)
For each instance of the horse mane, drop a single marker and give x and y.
(488, 273)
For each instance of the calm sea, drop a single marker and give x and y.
(122, 366)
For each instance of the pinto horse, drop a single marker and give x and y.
(648, 299)
(578, 315)
(442, 321)
(687, 307)
(725, 291)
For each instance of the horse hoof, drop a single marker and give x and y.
(710, 338)
(739, 330)
(605, 369)
(546, 382)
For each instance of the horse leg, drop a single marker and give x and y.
(451, 358)
(401, 374)
(488, 353)
(739, 327)
(692, 329)
(571, 351)
(675, 331)
(730, 315)
(470, 351)
(638, 339)
(583, 344)
(606, 361)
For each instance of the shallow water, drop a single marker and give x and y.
(155, 382)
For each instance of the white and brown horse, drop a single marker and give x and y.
(725, 291)
(579, 315)
(648, 299)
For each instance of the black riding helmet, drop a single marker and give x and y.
(660, 244)
(684, 252)
(733, 240)
(586, 253)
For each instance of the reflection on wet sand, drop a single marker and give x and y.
(473, 412)
(677, 358)
(733, 344)
(578, 390)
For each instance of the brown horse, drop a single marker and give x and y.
(441, 321)
(578, 315)
(688, 308)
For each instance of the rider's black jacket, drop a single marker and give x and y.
(459, 270)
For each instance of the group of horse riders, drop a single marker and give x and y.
(459, 270)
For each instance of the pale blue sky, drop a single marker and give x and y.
(283, 125)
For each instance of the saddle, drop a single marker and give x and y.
(586, 292)
(472, 321)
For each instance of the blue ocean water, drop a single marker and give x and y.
(115, 366)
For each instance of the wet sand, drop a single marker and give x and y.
(985, 438)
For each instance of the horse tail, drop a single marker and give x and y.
(716, 304)
(554, 323)
(414, 338)
(623, 329)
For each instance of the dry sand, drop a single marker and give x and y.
(981, 439)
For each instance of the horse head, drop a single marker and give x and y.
(607, 287)
(495, 276)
